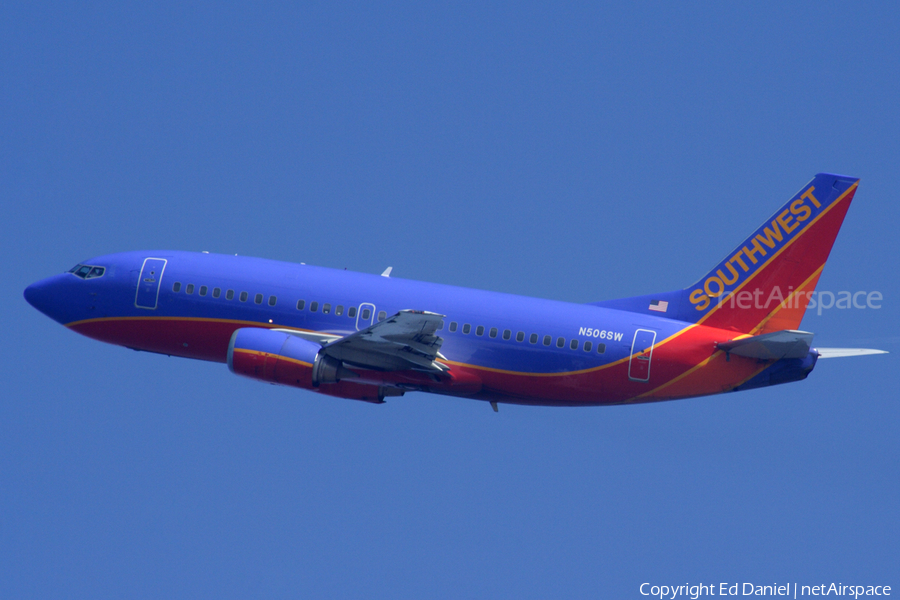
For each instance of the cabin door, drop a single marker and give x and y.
(641, 353)
(365, 315)
(148, 283)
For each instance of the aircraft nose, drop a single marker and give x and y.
(43, 295)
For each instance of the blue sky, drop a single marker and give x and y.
(562, 150)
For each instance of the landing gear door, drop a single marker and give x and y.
(365, 315)
(641, 353)
(148, 283)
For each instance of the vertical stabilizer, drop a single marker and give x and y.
(765, 283)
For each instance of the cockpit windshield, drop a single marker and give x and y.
(87, 271)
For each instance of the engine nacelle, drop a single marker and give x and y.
(279, 357)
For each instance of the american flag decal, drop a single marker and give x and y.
(659, 305)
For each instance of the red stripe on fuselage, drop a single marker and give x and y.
(203, 339)
(685, 364)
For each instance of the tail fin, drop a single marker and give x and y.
(765, 283)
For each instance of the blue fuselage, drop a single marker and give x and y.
(520, 349)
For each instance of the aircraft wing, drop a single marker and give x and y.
(404, 341)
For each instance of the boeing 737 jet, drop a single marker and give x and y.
(366, 337)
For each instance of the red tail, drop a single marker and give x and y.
(765, 283)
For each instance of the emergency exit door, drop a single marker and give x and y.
(365, 316)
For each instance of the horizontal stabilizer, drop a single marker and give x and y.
(771, 346)
(842, 352)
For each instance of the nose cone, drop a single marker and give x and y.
(44, 296)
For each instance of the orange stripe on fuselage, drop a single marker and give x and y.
(689, 367)
(714, 375)
(566, 373)
(684, 364)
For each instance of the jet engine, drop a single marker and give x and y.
(279, 357)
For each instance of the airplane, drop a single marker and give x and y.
(367, 337)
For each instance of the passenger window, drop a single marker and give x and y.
(587, 346)
(467, 328)
(217, 292)
(189, 289)
(546, 340)
(440, 326)
(203, 289)
(381, 315)
(366, 313)
(533, 338)
(453, 326)
(301, 304)
(507, 334)
(244, 296)
(520, 337)
(258, 298)
(176, 287)
(326, 309)
(272, 300)
(560, 342)
(229, 295)
(338, 310)
(351, 312)
(479, 330)
(573, 345)
(493, 332)
(601, 348)
(313, 306)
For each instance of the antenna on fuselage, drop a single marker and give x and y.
(387, 272)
